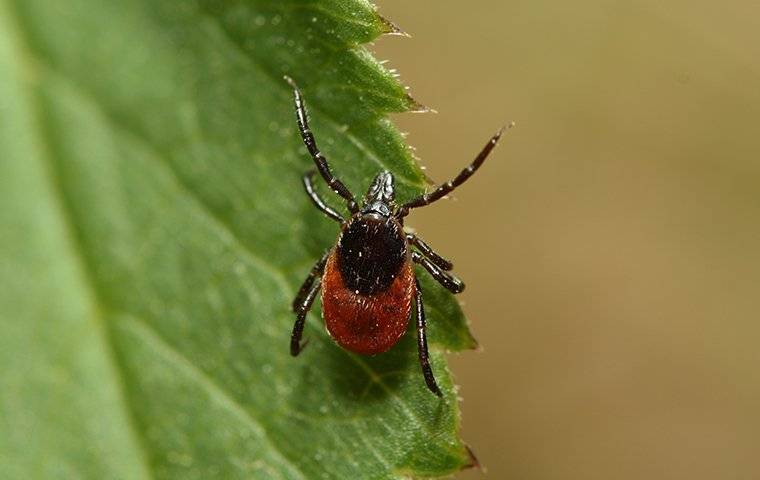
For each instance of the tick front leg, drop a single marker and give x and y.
(452, 283)
(311, 145)
(315, 272)
(429, 252)
(422, 347)
(448, 187)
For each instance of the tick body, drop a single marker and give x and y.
(368, 284)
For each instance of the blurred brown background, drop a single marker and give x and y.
(611, 246)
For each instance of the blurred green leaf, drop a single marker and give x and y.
(154, 233)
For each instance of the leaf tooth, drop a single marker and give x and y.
(473, 460)
(390, 28)
(414, 106)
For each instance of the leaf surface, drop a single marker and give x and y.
(154, 233)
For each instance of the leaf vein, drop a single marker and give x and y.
(172, 356)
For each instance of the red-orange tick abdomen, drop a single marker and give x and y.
(366, 324)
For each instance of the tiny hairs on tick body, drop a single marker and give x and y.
(367, 279)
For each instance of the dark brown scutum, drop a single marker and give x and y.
(370, 253)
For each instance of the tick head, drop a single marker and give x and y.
(381, 196)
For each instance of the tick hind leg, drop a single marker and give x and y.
(452, 283)
(303, 301)
(315, 272)
(303, 309)
(422, 347)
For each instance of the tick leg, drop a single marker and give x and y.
(315, 272)
(452, 283)
(311, 145)
(429, 252)
(448, 187)
(303, 309)
(314, 196)
(422, 347)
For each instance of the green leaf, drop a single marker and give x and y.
(154, 232)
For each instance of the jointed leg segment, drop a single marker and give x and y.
(422, 347)
(315, 272)
(315, 198)
(303, 301)
(311, 145)
(301, 311)
(429, 252)
(449, 186)
(452, 283)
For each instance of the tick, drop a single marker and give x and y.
(367, 278)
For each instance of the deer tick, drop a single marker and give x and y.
(367, 279)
